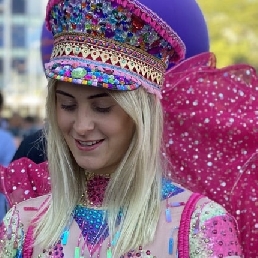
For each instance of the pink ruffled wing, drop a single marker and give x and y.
(24, 179)
(211, 136)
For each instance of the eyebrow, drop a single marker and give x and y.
(99, 95)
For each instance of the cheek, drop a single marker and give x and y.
(63, 121)
(124, 129)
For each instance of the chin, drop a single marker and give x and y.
(87, 166)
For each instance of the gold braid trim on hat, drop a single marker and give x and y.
(110, 52)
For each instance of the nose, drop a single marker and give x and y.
(83, 122)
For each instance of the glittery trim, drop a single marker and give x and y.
(184, 228)
(169, 189)
(93, 226)
(104, 63)
(63, 68)
(160, 26)
(29, 236)
(110, 52)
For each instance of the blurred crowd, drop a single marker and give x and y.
(13, 130)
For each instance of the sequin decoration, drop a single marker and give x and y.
(150, 48)
(211, 137)
(98, 52)
(111, 20)
(24, 179)
(215, 230)
(11, 235)
(93, 226)
(169, 189)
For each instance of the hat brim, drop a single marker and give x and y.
(96, 74)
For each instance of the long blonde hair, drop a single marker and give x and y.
(135, 186)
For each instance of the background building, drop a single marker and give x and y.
(21, 74)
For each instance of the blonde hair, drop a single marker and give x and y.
(134, 188)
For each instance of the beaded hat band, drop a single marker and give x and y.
(118, 45)
(102, 62)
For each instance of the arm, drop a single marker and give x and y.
(213, 232)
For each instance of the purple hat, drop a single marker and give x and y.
(114, 44)
(195, 37)
(186, 19)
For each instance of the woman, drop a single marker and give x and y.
(110, 196)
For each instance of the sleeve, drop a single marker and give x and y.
(11, 235)
(210, 135)
(23, 179)
(213, 232)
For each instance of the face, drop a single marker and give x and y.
(97, 130)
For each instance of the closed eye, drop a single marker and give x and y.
(68, 107)
(103, 110)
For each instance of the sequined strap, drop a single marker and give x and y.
(184, 228)
(29, 236)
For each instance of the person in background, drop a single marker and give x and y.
(31, 124)
(33, 146)
(7, 150)
(7, 143)
(16, 127)
(111, 193)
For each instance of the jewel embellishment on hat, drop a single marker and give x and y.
(118, 45)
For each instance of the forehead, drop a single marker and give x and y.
(79, 89)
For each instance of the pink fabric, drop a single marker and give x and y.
(219, 230)
(24, 179)
(211, 136)
(28, 243)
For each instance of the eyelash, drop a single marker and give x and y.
(103, 110)
(71, 108)
(68, 107)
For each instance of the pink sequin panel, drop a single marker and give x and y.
(211, 136)
(220, 235)
(24, 179)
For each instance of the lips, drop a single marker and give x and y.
(88, 145)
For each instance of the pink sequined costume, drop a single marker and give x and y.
(189, 226)
(211, 137)
(24, 179)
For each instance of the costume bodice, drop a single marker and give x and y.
(208, 222)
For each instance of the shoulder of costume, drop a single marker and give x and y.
(32, 207)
